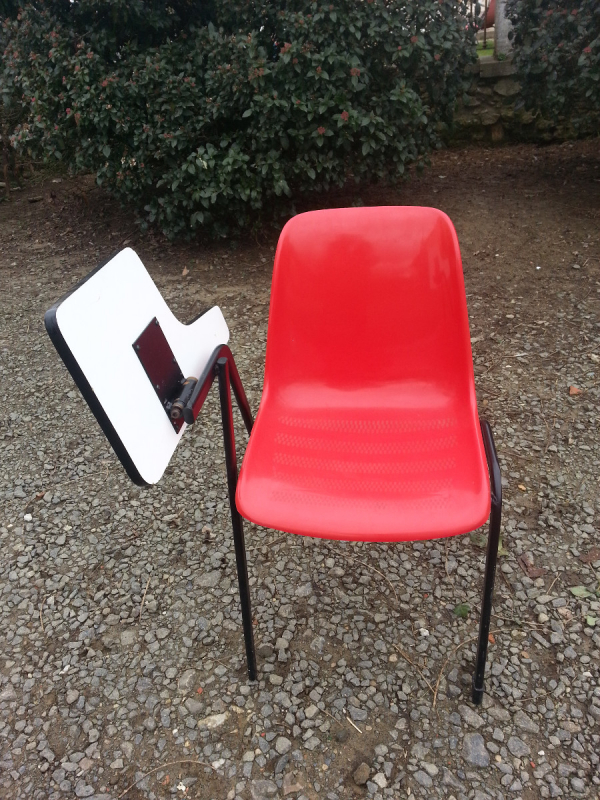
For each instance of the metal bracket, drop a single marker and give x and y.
(182, 398)
(162, 369)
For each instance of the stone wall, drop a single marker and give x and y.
(491, 110)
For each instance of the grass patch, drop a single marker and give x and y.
(488, 51)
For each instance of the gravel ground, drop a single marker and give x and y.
(122, 670)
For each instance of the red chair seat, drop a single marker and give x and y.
(368, 425)
(383, 473)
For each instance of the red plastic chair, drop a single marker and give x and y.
(368, 426)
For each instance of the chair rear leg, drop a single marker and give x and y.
(490, 562)
(222, 367)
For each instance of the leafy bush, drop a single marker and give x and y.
(11, 111)
(557, 55)
(205, 119)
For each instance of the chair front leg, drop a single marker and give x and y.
(222, 369)
(490, 562)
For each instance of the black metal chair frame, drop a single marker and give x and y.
(222, 366)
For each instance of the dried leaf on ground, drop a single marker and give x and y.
(528, 568)
(288, 786)
(478, 539)
(481, 540)
(462, 610)
(591, 556)
(580, 591)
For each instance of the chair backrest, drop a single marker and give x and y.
(365, 298)
(94, 328)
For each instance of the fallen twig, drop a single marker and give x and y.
(143, 598)
(506, 583)
(416, 666)
(330, 716)
(164, 766)
(41, 609)
(445, 664)
(353, 725)
(519, 622)
(104, 471)
(277, 541)
(368, 566)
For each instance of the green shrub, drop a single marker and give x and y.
(204, 121)
(557, 55)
